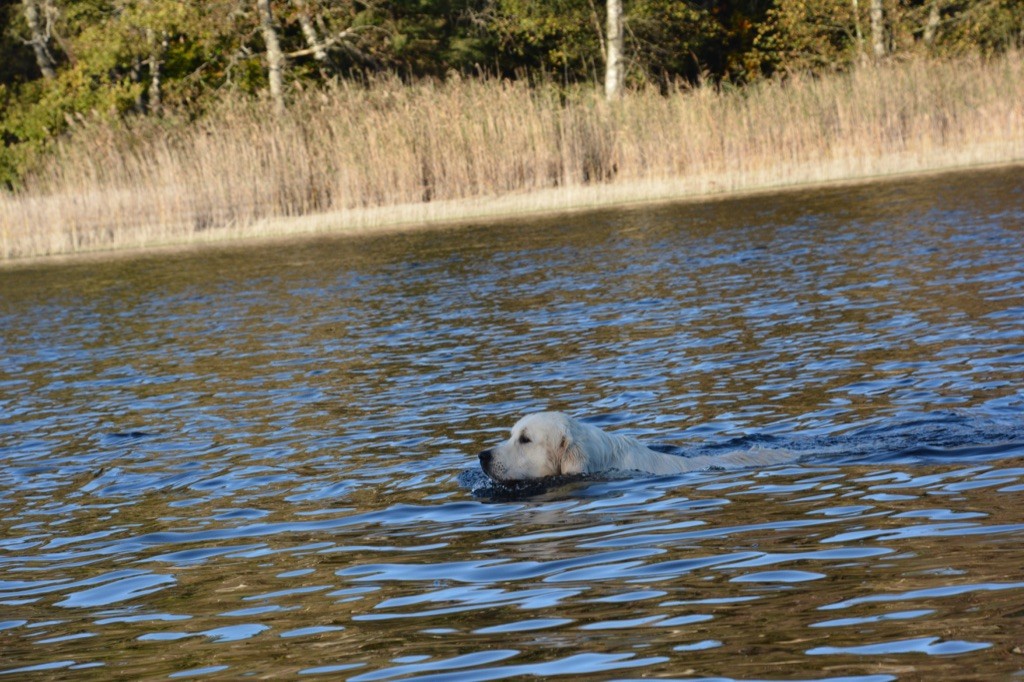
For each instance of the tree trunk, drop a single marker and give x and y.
(613, 73)
(275, 57)
(877, 29)
(39, 37)
(313, 39)
(931, 28)
(155, 62)
(857, 33)
(595, 17)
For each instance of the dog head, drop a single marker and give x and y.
(540, 445)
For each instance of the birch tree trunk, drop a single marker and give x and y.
(157, 48)
(613, 73)
(858, 34)
(313, 39)
(931, 28)
(877, 29)
(275, 57)
(39, 38)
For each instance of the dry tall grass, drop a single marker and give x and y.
(391, 153)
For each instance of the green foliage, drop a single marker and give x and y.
(675, 40)
(556, 37)
(986, 25)
(808, 35)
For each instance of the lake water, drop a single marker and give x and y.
(260, 462)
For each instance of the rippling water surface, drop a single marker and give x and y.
(260, 462)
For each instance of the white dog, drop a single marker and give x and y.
(555, 444)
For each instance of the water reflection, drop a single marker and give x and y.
(259, 462)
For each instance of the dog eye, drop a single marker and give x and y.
(523, 438)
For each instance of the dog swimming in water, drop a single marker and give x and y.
(548, 444)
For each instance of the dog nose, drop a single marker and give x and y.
(485, 458)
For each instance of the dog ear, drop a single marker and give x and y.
(571, 460)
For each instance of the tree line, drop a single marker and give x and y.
(66, 61)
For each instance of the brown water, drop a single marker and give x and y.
(260, 462)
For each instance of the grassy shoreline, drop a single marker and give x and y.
(395, 156)
(500, 212)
